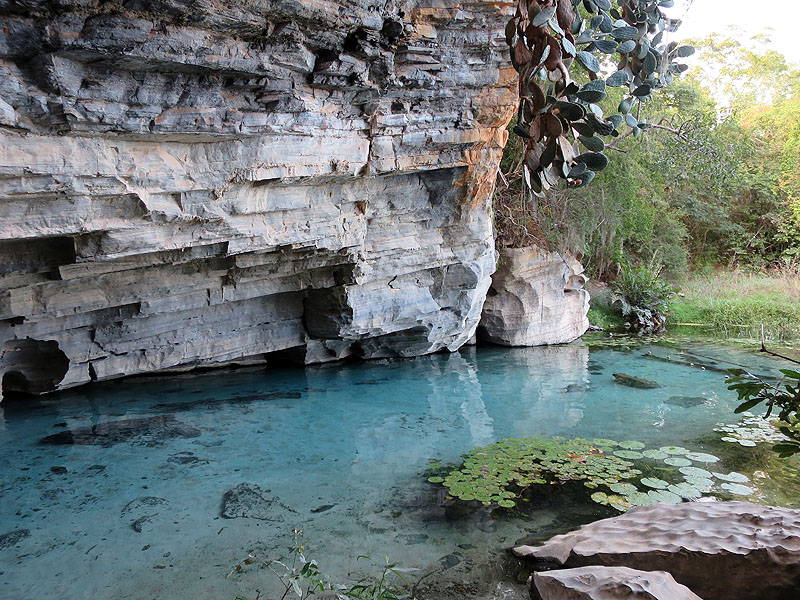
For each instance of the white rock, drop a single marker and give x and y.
(536, 298)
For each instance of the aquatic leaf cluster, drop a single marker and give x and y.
(783, 395)
(499, 473)
(506, 472)
(546, 39)
(750, 431)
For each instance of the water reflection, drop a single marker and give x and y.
(536, 391)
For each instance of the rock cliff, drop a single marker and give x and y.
(193, 183)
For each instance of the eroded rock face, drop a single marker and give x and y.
(719, 550)
(536, 298)
(607, 583)
(194, 183)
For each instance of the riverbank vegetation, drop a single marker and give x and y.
(709, 196)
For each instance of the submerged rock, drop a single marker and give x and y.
(719, 550)
(146, 430)
(12, 538)
(687, 401)
(635, 382)
(251, 501)
(536, 298)
(607, 583)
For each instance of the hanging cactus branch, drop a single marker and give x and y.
(547, 38)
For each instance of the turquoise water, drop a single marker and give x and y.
(118, 490)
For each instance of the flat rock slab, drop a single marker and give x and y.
(635, 382)
(719, 550)
(607, 583)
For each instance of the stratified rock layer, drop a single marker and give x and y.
(193, 183)
(719, 550)
(536, 298)
(607, 583)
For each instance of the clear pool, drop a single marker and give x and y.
(117, 490)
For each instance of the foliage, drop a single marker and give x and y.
(303, 578)
(785, 395)
(603, 316)
(643, 298)
(714, 183)
(737, 302)
(546, 39)
(505, 472)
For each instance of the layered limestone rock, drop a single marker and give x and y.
(719, 550)
(536, 298)
(193, 183)
(607, 583)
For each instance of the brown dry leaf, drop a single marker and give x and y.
(522, 55)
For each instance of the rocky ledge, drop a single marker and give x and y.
(195, 183)
(607, 583)
(719, 550)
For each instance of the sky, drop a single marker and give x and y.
(753, 17)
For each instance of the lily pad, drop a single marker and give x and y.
(665, 496)
(677, 461)
(747, 443)
(733, 477)
(436, 479)
(695, 472)
(605, 442)
(626, 489)
(620, 503)
(631, 454)
(702, 457)
(655, 454)
(737, 488)
(701, 483)
(640, 499)
(631, 445)
(600, 497)
(654, 482)
(685, 490)
(674, 450)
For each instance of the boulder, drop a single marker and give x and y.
(719, 550)
(536, 298)
(607, 583)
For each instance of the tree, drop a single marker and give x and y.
(547, 39)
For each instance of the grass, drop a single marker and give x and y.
(730, 303)
(737, 303)
(602, 313)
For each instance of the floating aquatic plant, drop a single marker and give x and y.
(750, 431)
(500, 474)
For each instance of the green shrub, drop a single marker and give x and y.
(643, 298)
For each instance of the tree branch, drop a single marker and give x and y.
(764, 349)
